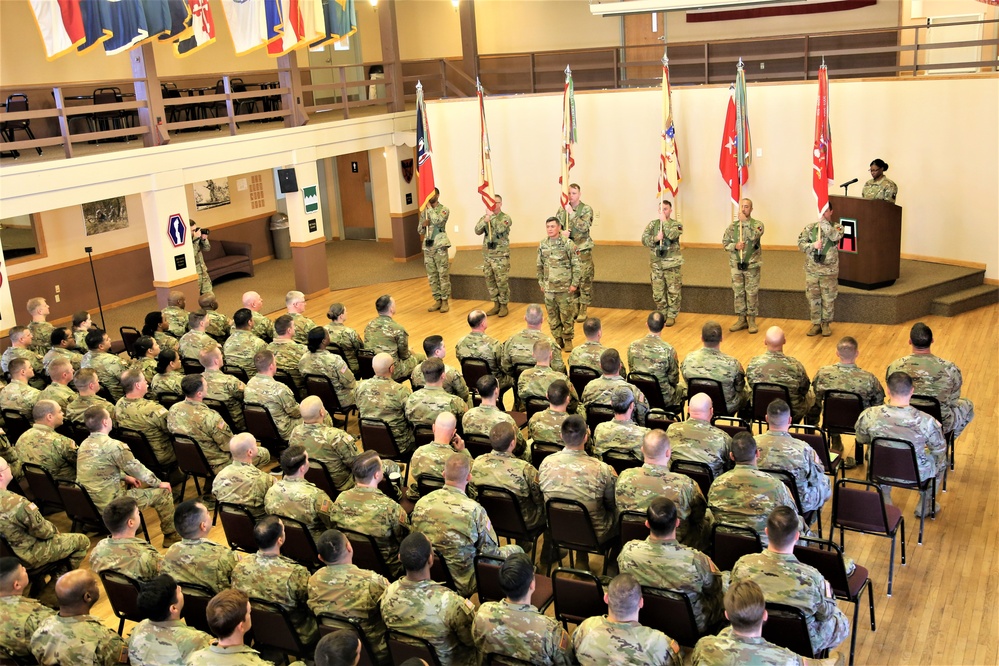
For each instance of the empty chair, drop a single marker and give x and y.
(129, 334)
(319, 475)
(894, 463)
(578, 595)
(580, 376)
(657, 418)
(572, 528)
(18, 103)
(840, 411)
(860, 506)
(730, 542)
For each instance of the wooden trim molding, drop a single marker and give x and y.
(39, 231)
(309, 243)
(75, 262)
(159, 284)
(244, 220)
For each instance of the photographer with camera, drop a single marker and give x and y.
(494, 227)
(742, 242)
(199, 243)
(820, 243)
(662, 237)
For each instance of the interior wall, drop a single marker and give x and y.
(240, 202)
(516, 26)
(428, 29)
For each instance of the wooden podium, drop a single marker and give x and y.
(872, 241)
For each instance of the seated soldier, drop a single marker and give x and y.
(175, 315)
(196, 558)
(775, 367)
(82, 324)
(477, 344)
(481, 420)
(261, 326)
(21, 340)
(709, 362)
(344, 336)
(168, 373)
(779, 450)
(598, 391)
(195, 341)
(242, 344)
(61, 373)
(294, 497)
(61, 340)
(546, 426)
(163, 637)
(154, 326)
(534, 382)
(41, 445)
(136, 413)
(341, 647)
(18, 395)
(621, 434)
(587, 355)
(288, 352)
(654, 356)
(319, 361)
(327, 444)
(294, 301)
(430, 458)
(40, 329)
(145, 350)
(21, 614)
(694, 439)
(123, 552)
(222, 387)
(107, 365)
(228, 616)
(381, 397)
(87, 386)
(501, 468)
(384, 334)
(275, 397)
(218, 324)
(241, 483)
(519, 347)
(192, 418)
(453, 382)
(423, 406)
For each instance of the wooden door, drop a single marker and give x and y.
(354, 182)
(643, 44)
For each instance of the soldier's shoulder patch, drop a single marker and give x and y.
(674, 646)
(123, 655)
(563, 642)
(469, 605)
(220, 425)
(32, 506)
(326, 506)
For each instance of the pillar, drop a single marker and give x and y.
(402, 204)
(389, 31)
(173, 266)
(6, 304)
(305, 224)
(469, 39)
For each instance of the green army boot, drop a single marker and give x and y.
(826, 331)
(581, 315)
(753, 328)
(566, 345)
(814, 330)
(435, 307)
(444, 306)
(670, 321)
(502, 310)
(739, 324)
(495, 309)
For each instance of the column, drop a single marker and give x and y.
(403, 207)
(305, 223)
(6, 303)
(173, 263)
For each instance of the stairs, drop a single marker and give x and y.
(967, 299)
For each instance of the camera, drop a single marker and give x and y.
(205, 231)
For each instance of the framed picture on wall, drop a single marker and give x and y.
(105, 215)
(211, 193)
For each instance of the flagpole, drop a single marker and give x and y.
(483, 148)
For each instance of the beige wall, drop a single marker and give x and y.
(514, 26)
(427, 29)
(239, 207)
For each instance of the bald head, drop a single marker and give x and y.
(177, 299)
(382, 364)
(243, 446)
(701, 407)
(77, 591)
(251, 300)
(775, 338)
(312, 409)
(444, 427)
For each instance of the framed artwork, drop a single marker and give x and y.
(211, 193)
(105, 215)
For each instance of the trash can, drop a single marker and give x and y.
(281, 236)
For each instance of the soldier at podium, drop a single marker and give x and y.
(820, 243)
(879, 187)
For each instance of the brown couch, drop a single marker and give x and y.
(227, 257)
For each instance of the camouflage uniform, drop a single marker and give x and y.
(11, 353)
(667, 564)
(261, 326)
(80, 639)
(167, 382)
(201, 245)
(101, 465)
(244, 485)
(349, 591)
(202, 562)
(785, 580)
(745, 281)
(41, 333)
(163, 339)
(277, 399)
(281, 581)
(236, 655)
(287, 355)
(665, 261)
(573, 475)
(558, 270)
(10, 453)
(302, 327)
(192, 343)
(35, 540)
(176, 319)
(207, 428)
(21, 617)
(745, 496)
(821, 277)
(504, 470)
(331, 446)
(728, 649)
(714, 364)
(620, 437)
(229, 391)
(384, 334)
(454, 383)
(933, 376)
(149, 418)
(522, 632)
(598, 640)
(382, 398)
(695, 440)
(434, 613)
(133, 556)
(300, 500)
(80, 338)
(371, 512)
(430, 459)
(349, 343)
(882, 188)
(489, 349)
(77, 407)
(423, 406)
(774, 367)
(433, 227)
(654, 356)
(166, 643)
(638, 486)
(62, 394)
(332, 366)
(780, 450)
(496, 255)
(848, 377)
(519, 350)
(147, 366)
(240, 349)
(546, 426)
(480, 421)
(598, 392)
(108, 368)
(20, 397)
(218, 326)
(587, 355)
(534, 383)
(578, 227)
(53, 353)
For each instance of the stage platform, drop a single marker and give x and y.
(622, 281)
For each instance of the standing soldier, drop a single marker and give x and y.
(742, 242)
(662, 237)
(433, 228)
(200, 245)
(820, 243)
(559, 276)
(494, 227)
(577, 218)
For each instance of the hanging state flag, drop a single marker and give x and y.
(201, 31)
(568, 135)
(247, 20)
(340, 21)
(60, 24)
(822, 155)
(669, 157)
(485, 157)
(96, 24)
(743, 142)
(302, 22)
(128, 26)
(424, 152)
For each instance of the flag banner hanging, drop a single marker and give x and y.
(669, 157)
(249, 24)
(424, 152)
(61, 26)
(822, 155)
(485, 156)
(202, 29)
(568, 135)
(340, 21)
(728, 163)
(743, 142)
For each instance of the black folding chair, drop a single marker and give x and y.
(787, 627)
(123, 594)
(859, 506)
(698, 471)
(580, 376)
(730, 542)
(330, 622)
(322, 387)
(274, 628)
(507, 516)
(893, 463)
(237, 524)
(572, 528)
(763, 394)
(403, 646)
(711, 388)
(578, 595)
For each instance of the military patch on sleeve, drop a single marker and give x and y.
(326, 506)
(123, 655)
(674, 646)
(220, 425)
(31, 505)
(469, 605)
(564, 641)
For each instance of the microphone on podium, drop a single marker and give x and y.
(846, 186)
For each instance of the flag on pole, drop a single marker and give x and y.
(61, 26)
(743, 141)
(728, 163)
(424, 152)
(568, 135)
(669, 158)
(822, 155)
(485, 156)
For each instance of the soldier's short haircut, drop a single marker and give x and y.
(655, 321)
(18, 365)
(337, 648)
(655, 443)
(176, 297)
(9, 569)
(782, 526)
(142, 346)
(591, 326)
(502, 435)
(778, 410)
(240, 444)
(292, 459)
(267, 531)
(187, 517)
(210, 352)
(610, 361)
(332, 544)
(624, 595)
(164, 359)
(574, 430)
(745, 605)
(711, 332)
(35, 303)
(558, 392)
(743, 447)
(555, 220)
(475, 318)
(225, 611)
(574, 186)
(457, 467)
(283, 324)
(80, 317)
(191, 384)
(486, 386)
(17, 332)
(335, 311)
(156, 595)
(95, 336)
(661, 515)
(59, 335)
(58, 365)
(242, 318)
(130, 379)
(415, 551)
(899, 383)
(847, 346)
(263, 359)
(433, 369)
(194, 319)
(542, 350)
(208, 301)
(315, 338)
(921, 336)
(116, 514)
(151, 323)
(365, 465)
(383, 304)
(94, 417)
(533, 315)
(621, 400)
(516, 575)
(293, 297)
(432, 343)
(84, 377)
(43, 408)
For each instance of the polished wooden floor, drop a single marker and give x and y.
(944, 608)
